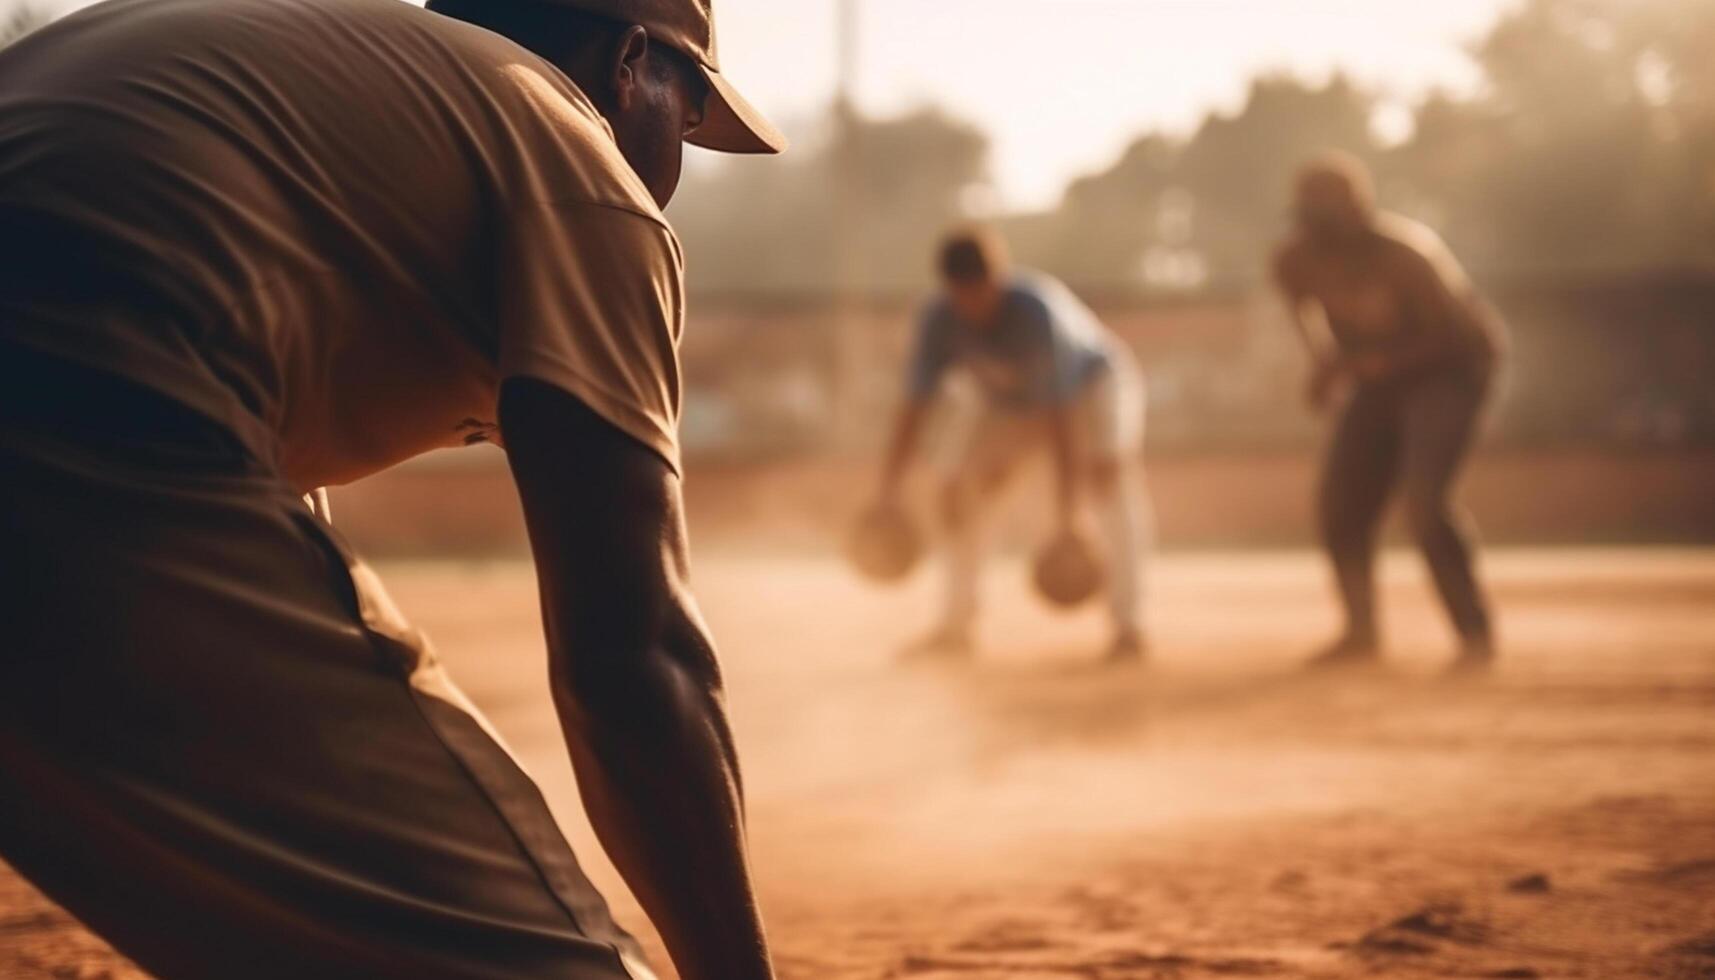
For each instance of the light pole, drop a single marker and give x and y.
(850, 363)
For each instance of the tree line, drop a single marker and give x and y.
(1589, 149)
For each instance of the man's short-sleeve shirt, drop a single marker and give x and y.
(1041, 348)
(333, 225)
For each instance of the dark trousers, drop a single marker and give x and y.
(1414, 436)
(221, 746)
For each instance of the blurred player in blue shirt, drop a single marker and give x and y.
(1051, 377)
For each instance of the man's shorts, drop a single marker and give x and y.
(221, 746)
(989, 442)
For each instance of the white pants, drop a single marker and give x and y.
(1108, 424)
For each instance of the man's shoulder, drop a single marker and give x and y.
(1036, 293)
(1415, 250)
(1406, 237)
(532, 137)
(354, 80)
(1034, 284)
(567, 156)
(563, 151)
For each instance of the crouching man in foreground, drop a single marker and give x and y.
(256, 247)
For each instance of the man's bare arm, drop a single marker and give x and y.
(1066, 476)
(907, 428)
(1311, 325)
(635, 677)
(1302, 309)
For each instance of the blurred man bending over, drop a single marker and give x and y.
(255, 247)
(1051, 377)
(1395, 326)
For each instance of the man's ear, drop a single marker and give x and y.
(625, 66)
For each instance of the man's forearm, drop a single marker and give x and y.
(901, 446)
(659, 776)
(634, 676)
(1312, 331)
(1065, 463)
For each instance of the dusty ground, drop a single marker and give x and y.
(1031, 816)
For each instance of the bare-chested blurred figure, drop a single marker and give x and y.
(1394, 328)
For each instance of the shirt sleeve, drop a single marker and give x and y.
(932, 355)
(591, 300)
(1051, 369)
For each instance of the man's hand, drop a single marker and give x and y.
(635, 678)
(1068, 482)
(903, 442)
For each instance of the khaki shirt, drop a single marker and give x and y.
(335, 226)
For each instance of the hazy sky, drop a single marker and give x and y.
(1062, 85)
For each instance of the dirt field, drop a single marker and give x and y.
(1214, 815)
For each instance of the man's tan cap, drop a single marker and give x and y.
(730, 123)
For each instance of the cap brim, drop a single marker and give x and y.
(731, 124)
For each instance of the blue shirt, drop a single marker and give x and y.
(1042, 348)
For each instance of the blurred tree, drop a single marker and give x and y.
(1105, 222)
(1239, 169)
(1590, 148)
(1184, 214)
(769, 225)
